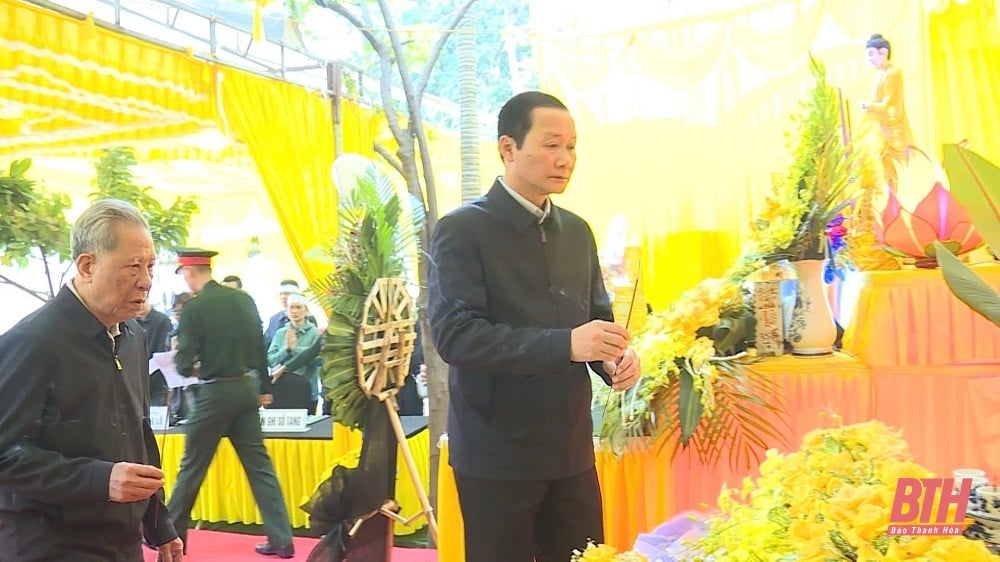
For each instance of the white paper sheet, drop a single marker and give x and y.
(165, 363)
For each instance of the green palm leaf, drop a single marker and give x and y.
(371, 244)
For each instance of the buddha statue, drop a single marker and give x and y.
(886, 108)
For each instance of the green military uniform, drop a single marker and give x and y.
(221, 341)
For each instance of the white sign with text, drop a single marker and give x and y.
(278, 420)
(158, 418)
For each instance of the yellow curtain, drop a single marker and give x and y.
(682, 124)
(66, 82)
(289, 131)
(965, 75)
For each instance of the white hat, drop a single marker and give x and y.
(298, 298)
(288, 288)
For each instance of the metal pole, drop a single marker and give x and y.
(334, 75)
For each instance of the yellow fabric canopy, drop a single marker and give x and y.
(69, 83)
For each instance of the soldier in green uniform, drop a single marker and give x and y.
(221, 342)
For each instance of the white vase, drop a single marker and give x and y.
(812, 330)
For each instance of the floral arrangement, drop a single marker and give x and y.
(700, 388)
(374, 231)
(830, 500)
(605, 553)
(810, 197)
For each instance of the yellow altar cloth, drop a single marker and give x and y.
(300, 464)
(811, 389)
(911, 318)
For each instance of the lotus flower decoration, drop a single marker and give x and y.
(920, 211)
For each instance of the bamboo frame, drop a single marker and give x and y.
(385, 344)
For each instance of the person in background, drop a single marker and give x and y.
(292, 359)
(157, 326)
(518, 309)
(220, 342)
(181, 403)
(409, 399)
(79, 475)
(280, 318)
(232, 281)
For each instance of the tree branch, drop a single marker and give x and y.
(385, 61)
(425, 76)
(48, 272)
(390, 158)
(415, 124)
(354, 20)
(32, 292)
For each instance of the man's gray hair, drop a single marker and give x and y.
(94, 232)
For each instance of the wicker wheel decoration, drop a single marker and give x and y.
(385, 343)
(385, 338)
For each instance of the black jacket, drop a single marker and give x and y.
(69, 414)
(505, 293)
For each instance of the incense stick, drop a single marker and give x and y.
(628, 322)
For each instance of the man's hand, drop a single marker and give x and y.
(266, 400)
(172, 551)
(598, 340)
(132, 482)
(290, 339)
(624, 373)
(276, 373)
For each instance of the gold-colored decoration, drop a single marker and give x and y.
(862, 245)
(385, 344)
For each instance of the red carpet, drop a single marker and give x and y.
(214, 546)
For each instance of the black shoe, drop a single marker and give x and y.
(267, 549)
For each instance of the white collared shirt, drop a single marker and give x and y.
(541, 212)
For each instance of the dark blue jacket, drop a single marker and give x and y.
(504, 294)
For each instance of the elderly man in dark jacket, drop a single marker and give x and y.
(78, 474)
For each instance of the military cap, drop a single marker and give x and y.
(194, 256)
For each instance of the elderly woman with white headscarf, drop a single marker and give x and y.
(292, 359)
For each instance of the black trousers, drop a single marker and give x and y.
(529, 521)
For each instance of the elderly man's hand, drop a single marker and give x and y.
(133, 482)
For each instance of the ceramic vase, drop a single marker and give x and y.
(812, 331)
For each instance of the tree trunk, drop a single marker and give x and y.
(468, 92)
(412, 143)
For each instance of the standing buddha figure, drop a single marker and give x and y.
(886, 107)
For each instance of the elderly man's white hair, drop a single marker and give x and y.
(94, 232)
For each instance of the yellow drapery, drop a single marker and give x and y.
(289, 131)
(301, 465)
(683, 123)
(965, 75)
(69, 83)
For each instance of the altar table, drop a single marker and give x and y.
(911, 318)
(301, 461)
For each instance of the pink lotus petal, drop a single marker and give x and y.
(898, 236)
(964, 233)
